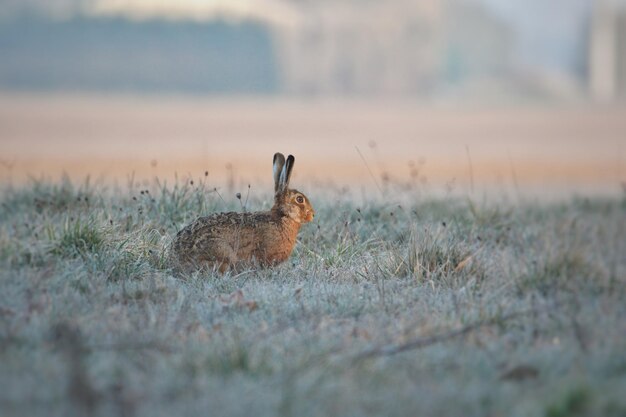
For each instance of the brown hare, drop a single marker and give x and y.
(228, 240)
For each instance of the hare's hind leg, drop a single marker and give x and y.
(211, 255)
(222, 255)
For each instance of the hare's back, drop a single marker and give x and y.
(222, 227)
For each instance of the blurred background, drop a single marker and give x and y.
(479, 96)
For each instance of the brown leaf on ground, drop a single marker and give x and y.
(520, 373)
(463, 263)
(5, 312)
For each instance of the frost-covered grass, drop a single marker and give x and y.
(444, 307)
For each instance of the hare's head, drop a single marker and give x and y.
(291, 203)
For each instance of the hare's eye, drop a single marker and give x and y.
(300, 199)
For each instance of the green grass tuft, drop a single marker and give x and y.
(575, 402)
(77, 237)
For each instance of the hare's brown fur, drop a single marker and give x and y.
(226, 240)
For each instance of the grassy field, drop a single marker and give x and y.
(442, 307)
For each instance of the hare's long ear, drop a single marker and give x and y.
(285, 175)
(279, 162)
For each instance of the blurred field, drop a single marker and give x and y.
(442, 307)
(526, 150)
